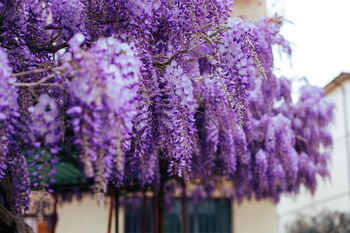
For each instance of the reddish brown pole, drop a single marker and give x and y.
(55, 215)
(155, 212)
(144, 213)
(161, 195)
(116, 210)
(109, 229)
(161, 208)
(184, 207)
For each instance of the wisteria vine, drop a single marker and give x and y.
(135, 85)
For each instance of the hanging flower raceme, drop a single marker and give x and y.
(19, 174)
(45, 136)
(145, 149)
(284, 141)
(310, 125)
(279, 142)
(176, 117)
(67, 17)
(8, 111)
(209, 133)
(103, 90)
(261, 164)
(232, 68)
(23, 24)
(165, 123)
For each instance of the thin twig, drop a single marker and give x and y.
(52, 27)
(39, 83)
(187, 49)
(258, 63)
(55, 48)
(228, 97)
(210, 36)
(210, 118)
(299, 137)
(36, 71)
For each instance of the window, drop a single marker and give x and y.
(212, 216)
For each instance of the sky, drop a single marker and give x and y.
(320, 37)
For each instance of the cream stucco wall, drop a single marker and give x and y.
(250, 9)
(255, 217)
(84, 216)
(333, 193)
(89, 217)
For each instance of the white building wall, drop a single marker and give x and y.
(332, 193)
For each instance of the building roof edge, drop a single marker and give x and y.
(336, 82)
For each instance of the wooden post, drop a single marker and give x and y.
(184, 207)
(155, 212)
(116, 200)
(144, 213)
(55, 215)
(161, 207)
(110, 216)
(161, 194)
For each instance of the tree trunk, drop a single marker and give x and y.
(10, 221)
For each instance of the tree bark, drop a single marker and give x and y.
(6, 191)
(10, 221)
(54, 215)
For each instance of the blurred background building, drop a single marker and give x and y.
(251, 9)
(333, 193)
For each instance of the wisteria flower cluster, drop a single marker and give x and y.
(147, 91)
(104, 84)
(18, 170)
